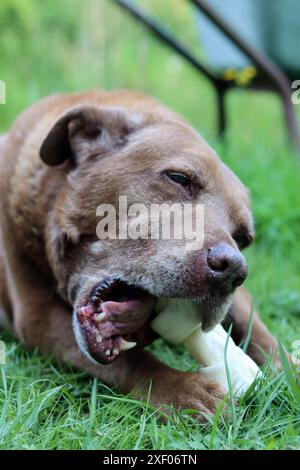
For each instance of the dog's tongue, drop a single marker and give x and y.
(112, 327)
(116, 308)
(124, 317)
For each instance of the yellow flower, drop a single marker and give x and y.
(230, 74)
(241, 77)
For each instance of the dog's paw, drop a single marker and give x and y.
(183, 390)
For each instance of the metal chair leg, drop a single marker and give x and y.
(222, 121)
(290, 117)
(276, 75)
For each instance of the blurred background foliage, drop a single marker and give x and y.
(69, 45)
(47, 46)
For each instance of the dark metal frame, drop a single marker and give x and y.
(270, 76)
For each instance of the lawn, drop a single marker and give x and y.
(70, 45)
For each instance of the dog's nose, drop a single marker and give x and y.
(227, 266)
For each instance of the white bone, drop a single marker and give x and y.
(178, 322)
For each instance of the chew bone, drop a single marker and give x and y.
(178, 322)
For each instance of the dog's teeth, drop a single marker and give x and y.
(115, 351)
(125, 345)
(100, 317)
(108, 352)
(98, 337)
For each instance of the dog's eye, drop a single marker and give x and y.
(179, 178)
(243, 239)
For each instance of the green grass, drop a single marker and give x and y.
(43, 405)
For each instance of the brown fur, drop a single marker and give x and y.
(48, 211)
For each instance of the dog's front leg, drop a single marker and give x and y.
(240, 315)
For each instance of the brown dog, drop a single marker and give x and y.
(63, 157)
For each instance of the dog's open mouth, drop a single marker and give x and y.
(114, 318)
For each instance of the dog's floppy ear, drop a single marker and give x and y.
(87, 130)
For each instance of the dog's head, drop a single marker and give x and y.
(114, 282)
